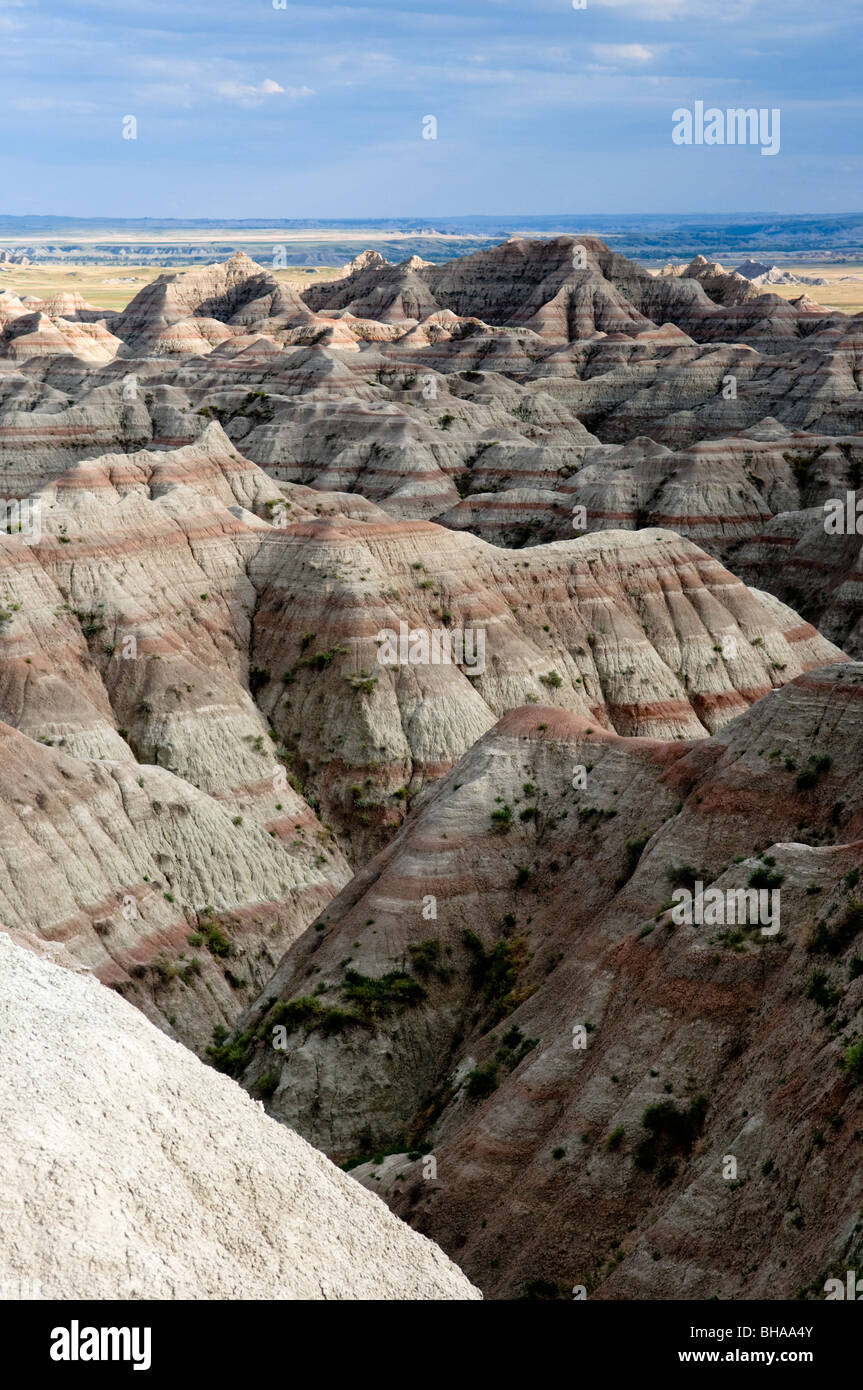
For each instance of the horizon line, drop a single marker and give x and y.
(417, 217)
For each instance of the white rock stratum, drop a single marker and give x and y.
(131, 1170)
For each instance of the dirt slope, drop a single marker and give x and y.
(131, 1170)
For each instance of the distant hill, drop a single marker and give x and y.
(156, 240)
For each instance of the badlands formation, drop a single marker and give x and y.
(220, 799)
(598, 1160)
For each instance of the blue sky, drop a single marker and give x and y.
(315, 110)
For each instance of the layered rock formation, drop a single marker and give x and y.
(642, 633)
(375, 663)
(816, 569)
(173, 591)
(505, 991)
(488, 393)
(156, 887)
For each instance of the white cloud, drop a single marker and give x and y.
(624, 52)
(250, 95)
(655, 9)
(665, 10)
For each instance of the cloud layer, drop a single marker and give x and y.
(316, 109)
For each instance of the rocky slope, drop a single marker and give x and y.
(244, 787)
(503, 990)
(642, 633)
(183, 616)
(175, 597)
(720, 493)
(816, 569)
(132, 1171)
(168, 897)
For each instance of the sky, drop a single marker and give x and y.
(317, 110)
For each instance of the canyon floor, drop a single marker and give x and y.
(275, 843)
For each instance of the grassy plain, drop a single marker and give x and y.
(111, 288)
(838, 293)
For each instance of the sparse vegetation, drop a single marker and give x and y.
(670, 1131)
(764, 878)
(495, 974)
(831, 940)
(821, 991)
(481, 1082)
(852, 1061)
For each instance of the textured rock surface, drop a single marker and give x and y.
(132, 1171)
(242, 490)
(493, 393)
(184, 616)
(626, 629)
(550, 911)
(169, 584)
(818, 572)
(154, 886)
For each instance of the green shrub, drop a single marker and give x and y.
(214, 938)
(831, 940)
(321, 660)
(496, 973)
(424, 955)
(818, 763)
(336, 1021)
(481, 1082)
(364, 681)
(684, 876)
(820, 990)
(764, 878)
(514, 1046)
(852, 1061)
(376, 998)
(231, 1056)
(295, 1013)
(669, 1130)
